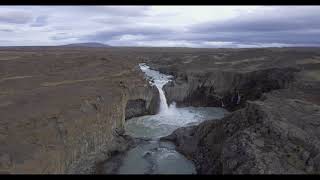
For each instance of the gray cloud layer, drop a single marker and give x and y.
(275, 26)
(40, 21)
(280, 27)
(148, 32)
(15, 17)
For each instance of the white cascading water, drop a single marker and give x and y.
(159, 80)
(239, 98)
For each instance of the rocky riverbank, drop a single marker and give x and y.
(275, 131)
(274, 135)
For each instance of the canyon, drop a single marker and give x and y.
(64, 110)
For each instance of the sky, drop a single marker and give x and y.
(164, 26)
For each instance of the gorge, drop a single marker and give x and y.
(153, 156)
(108, 114)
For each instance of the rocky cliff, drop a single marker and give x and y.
(64, 110)
(275, 133)
(141, 100)
(228, 89)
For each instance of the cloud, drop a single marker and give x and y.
(144, 32)
(286, 37)
(15, 17)
(40, 21)
(63, 36)
(261, 23)
(192, 26)
(274, 26)
(284, 26)
(6, 30)
(113, 20)
(124, 11)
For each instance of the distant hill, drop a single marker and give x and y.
(89, 44)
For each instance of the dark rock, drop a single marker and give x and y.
(135, 108)
(274, 136)
(139, 107)
(231, 88)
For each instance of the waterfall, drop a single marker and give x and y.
(159, 80)
(239, 98)
(154, 156)
(163, 100)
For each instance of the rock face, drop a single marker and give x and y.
(146, 103)
(137, 100)
(63, 110)
(225, 88)
(276, 134)
(135, 108)
(274, 128)
(272, 136)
